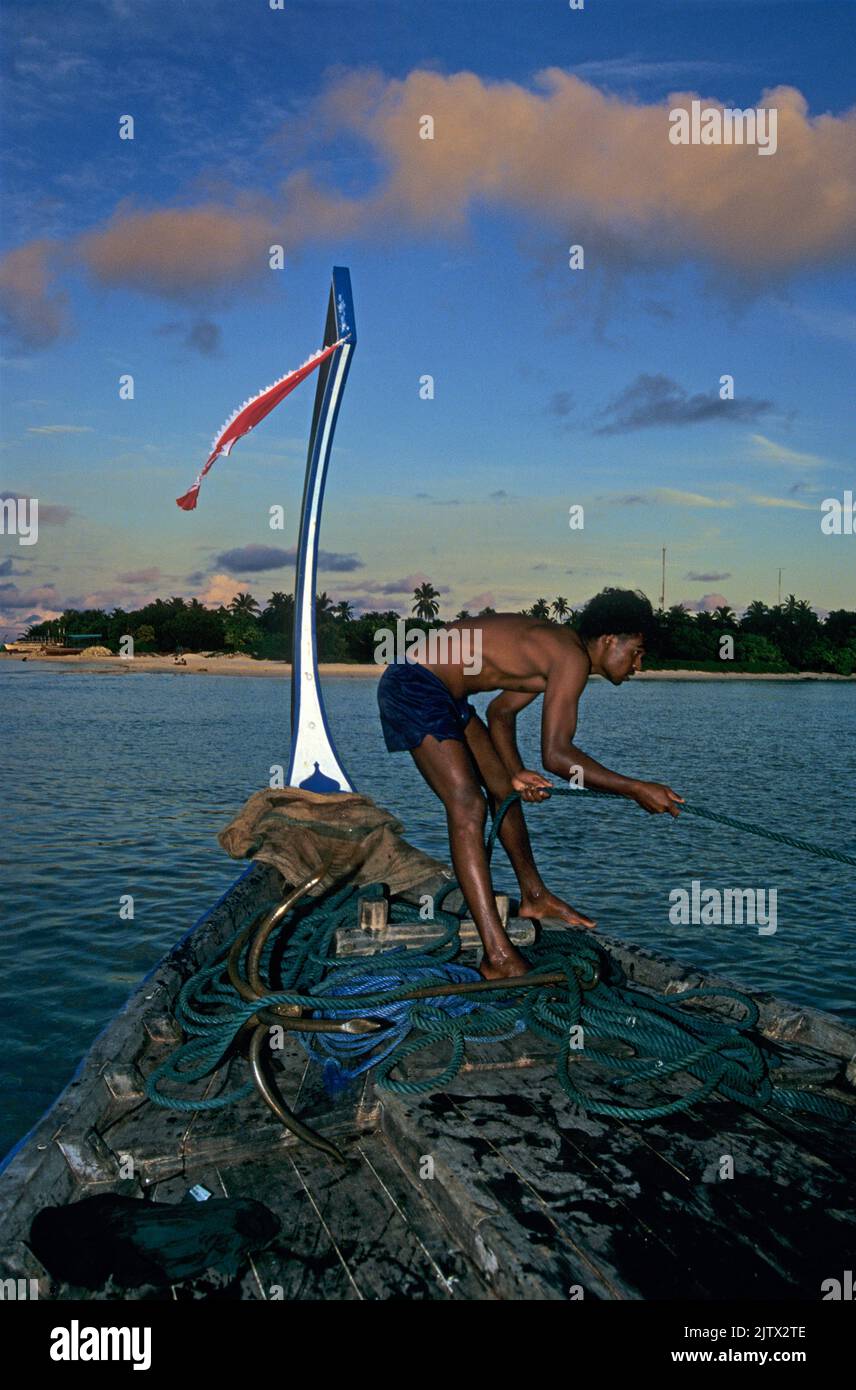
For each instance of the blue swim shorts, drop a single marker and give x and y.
(414, 702)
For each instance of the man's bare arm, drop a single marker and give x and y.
(560, 755)
(502, 723)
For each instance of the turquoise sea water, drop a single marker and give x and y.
(118, 784)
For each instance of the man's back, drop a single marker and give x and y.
(513, 651)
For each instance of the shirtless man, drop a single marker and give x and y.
(425, 709)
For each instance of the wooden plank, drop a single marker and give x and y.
(640, 1205)
(421, 936)
(163, 1143)
(791, 1207)
(348, 1232)
(832, 1144)
(516, 1251)
(369, 1219)
(425, 1221)
(303, 1262)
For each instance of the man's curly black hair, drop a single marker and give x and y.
(618, 612)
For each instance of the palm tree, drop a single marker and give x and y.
(540, 608)
(278, 615)
(725, 616)
(280, 603)
(561, 607)
(426, 605)
(756, 619)
(323, 605)
(343, 611)
(67, 623)
(244, 606)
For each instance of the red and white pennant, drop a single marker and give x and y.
(247, 416)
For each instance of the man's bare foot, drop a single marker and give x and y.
(546, 904)
(505, 967)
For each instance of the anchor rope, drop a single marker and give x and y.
(592, 1004)
(746, 827)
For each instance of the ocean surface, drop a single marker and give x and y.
(118, 783)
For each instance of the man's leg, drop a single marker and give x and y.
(536, 900)
(448, 768)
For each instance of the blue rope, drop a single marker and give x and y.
(402, 970)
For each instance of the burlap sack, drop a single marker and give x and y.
(297, 831)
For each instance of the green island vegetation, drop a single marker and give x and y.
(789, 637)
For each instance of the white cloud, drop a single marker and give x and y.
(788, 502)
(60, 429)
(772, 452)
(676, 498)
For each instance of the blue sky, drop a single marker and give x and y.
(552, 387)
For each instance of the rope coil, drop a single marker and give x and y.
(661, 1038)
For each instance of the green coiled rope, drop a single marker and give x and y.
(666, 1037)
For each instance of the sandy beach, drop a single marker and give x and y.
(247, 666)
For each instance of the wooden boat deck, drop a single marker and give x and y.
(494, 1187)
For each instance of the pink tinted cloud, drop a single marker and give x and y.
(562, 149)
(485, 600)
(42, 596)
(560, 152)
(179, 253)
(219, 589)
(50, 514)
(708, 603)
(33, 312)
